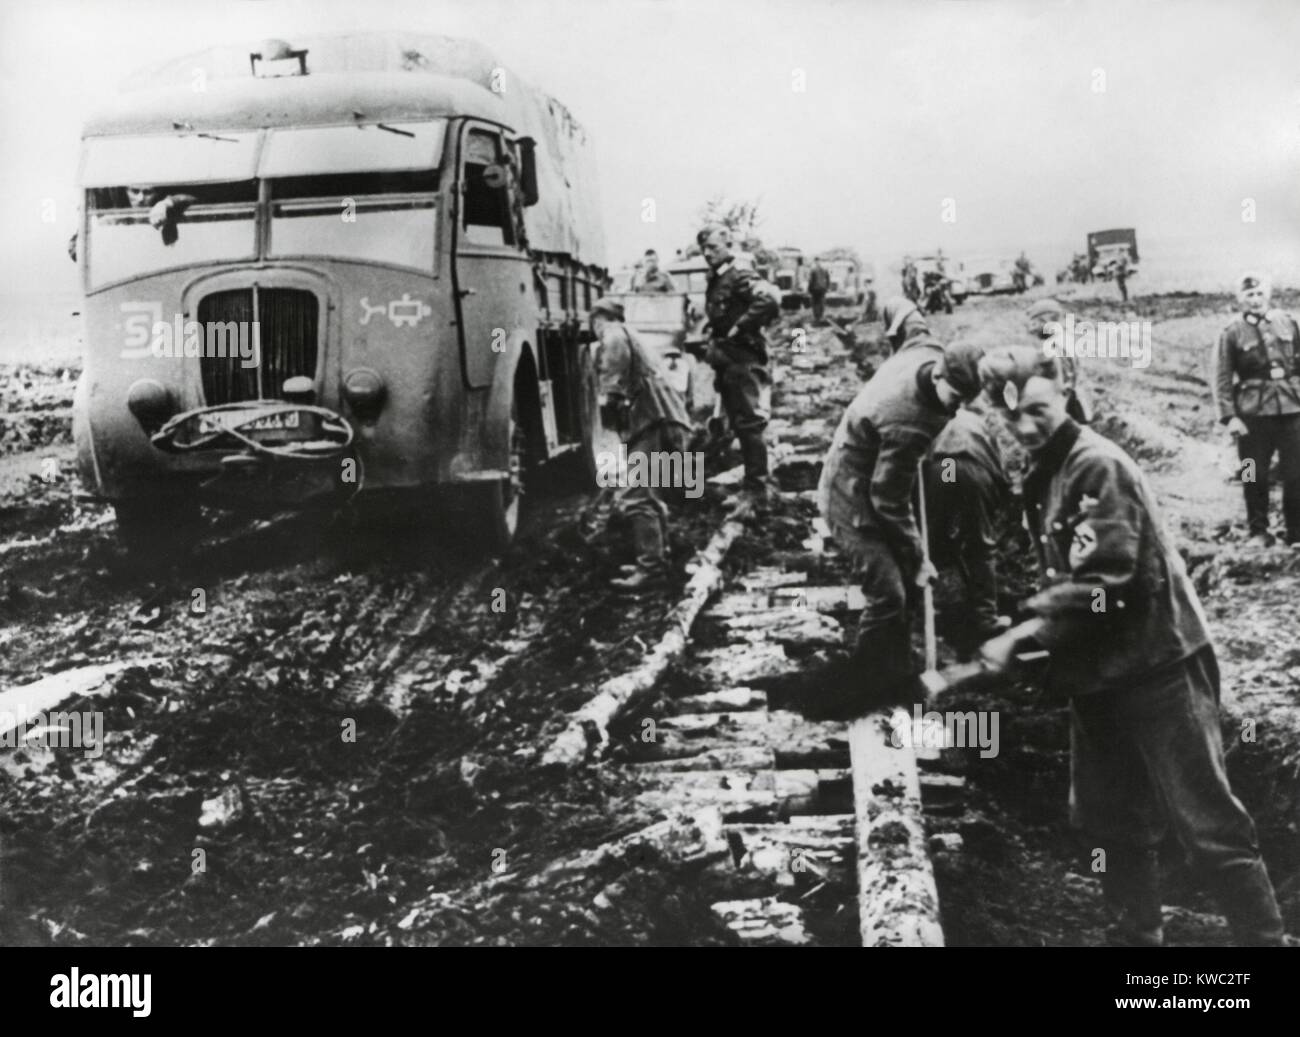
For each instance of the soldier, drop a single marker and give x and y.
(966, 494)
(1121, 275)
(649, 416)
(739, 306)
(819, 283)
(911, 284)
(651, 278)
(903, 323)
(865, 495)
(1128, 645)
(1257, 394)
(1039, 315)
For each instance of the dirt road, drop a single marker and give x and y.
(331, 734)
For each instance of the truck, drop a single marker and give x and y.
(1105, 248)
(348, 266)
(791, 277)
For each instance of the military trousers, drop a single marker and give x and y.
(1147, 759)
(644, 507)
(743, 387)
(963, 514)
(1264, 437)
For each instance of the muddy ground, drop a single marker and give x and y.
(431, 825)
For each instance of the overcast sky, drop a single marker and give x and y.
(1040, 121)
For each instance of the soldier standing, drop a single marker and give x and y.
(819, 283)
(1121, 275)
(651, 278)
(1257, 395)
(649, 416)
(739, 308)
(865, 495)
(911, 284)
(1129, 647)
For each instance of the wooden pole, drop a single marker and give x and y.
(931, 643)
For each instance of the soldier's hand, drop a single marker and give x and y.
(1237, 427)
(998, 652)
(926, 574)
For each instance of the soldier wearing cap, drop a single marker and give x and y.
(1257, 395)
(1128, 644)
(739, 307)
(865, 494)
(637, 402)
(1041, 315)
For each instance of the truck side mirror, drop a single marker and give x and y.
(528, 169)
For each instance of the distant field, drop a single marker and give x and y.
(40, 329)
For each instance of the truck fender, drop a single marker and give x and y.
(496, 446)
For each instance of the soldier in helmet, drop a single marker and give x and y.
(1129, 647)
(1257, 396)
(650, 418)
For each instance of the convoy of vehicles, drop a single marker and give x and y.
(366, 266)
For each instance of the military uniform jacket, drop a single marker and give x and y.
(627, 368)
(1116, 597)
(659, 281)
(870, 470)
(819, 280)
(966, 435)
(1257, 367)
(735, 300)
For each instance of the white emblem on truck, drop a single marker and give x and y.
(403, 312)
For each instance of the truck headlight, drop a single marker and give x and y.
(364, 390)
(151, 404)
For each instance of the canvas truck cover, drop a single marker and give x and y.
(566, 218)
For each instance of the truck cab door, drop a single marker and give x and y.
(491, 273)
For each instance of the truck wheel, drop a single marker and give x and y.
(489, 512)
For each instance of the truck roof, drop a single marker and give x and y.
(386, 76)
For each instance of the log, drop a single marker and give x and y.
(728, 701)
(710, 758)
(767, 578)
(586, 734)
(746, 663)
(898, 903)
(764, 922)
(748, 795)
(806, 852)
(22, 703)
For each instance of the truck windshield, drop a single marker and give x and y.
(383, 217)
(142, 228)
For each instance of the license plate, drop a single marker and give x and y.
(223, 419)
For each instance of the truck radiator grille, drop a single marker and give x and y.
(288, 320)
